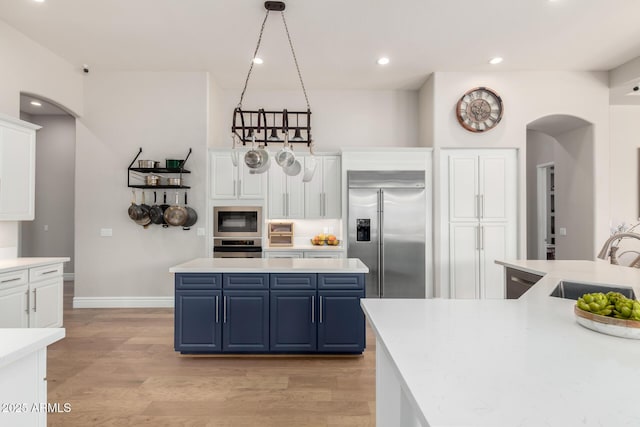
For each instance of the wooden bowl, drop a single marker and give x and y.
(623, 328)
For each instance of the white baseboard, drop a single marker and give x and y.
(122, 302)
(69, 277)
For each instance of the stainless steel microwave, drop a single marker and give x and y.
(237, 221)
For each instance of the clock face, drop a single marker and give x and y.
(479, 109)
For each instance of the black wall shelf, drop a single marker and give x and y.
(181, 170)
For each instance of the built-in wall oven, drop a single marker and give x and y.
(237, 232)
(237, 248)
(237, 221)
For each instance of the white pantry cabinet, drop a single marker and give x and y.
(17, 169)
(234, 182)
(479, 213)
(323, 194)
(286, 193)
(32, 297)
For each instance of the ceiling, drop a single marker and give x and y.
(337, 41)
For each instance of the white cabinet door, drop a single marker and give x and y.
(46, 303)
(324, 254)
(464, 277)
(494, 245)
(14, 307)
(17, 172)
(323, 194)
(332, 190)
(463, 187)
(276, 197)
(234, 182)
(224, 184)
(498, 186)
(295, 197)
(251, 186)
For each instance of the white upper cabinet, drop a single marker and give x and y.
(286, 194)
(323, 195)
(17, 169)
(234, 182)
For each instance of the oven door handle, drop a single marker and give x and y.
(237, 249)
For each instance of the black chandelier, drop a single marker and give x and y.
(264, 127)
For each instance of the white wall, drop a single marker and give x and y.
(527, 96)
(625, 149)
(426, 107)
(29, 67)
(165, 113)
(540, 149)
(55, 171)
(340, 118)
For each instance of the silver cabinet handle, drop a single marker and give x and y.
(320, 195)
(217, 310)
(11, 280)
(49, 272)
(482, 237)
(313, 309)
(35, 300)
(224, 309)
(239, 187)
(324, 204)
(320, 309)
(27, 298)
(482, 206)
(477, 237)
(235, 187)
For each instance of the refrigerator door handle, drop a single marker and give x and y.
(381, 251)
(378, 249)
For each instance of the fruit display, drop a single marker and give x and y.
(612, 304)
(322, 239)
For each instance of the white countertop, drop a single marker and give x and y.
(522, 362)
(21, 263)
(15, 343)
(271, 265)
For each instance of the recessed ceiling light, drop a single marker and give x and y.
(495, 61)
(39, 1)
(258, 60)
(383, 61)
(36, 104)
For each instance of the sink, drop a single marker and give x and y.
(574, 290)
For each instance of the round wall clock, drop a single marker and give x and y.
(479, 109)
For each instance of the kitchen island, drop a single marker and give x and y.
(269, 305)
(522, 362)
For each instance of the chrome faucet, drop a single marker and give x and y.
(605, 251)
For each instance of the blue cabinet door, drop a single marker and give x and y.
(293, 321)
(341, 326)
(245, 321)
(197, 321)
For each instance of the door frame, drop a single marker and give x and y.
(541, 203)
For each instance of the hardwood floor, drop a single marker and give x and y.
(117, 367)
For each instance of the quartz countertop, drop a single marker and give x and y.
(271, 265)
(522, 362)
(21, 263)
(15, 343)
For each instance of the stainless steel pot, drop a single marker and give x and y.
(174, 181)
(146, 164)
(152, 180)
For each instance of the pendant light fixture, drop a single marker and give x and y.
(250, 133)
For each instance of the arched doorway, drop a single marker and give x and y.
(51, 233)
(560, 181)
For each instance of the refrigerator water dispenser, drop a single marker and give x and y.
(363, 232)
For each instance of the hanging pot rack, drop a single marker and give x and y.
(260, 125)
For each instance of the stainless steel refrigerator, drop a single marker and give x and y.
(386, 230)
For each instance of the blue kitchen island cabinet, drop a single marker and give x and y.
(269, 306)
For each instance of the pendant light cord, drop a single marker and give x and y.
(255, 54)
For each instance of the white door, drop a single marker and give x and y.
(251, 185)
(313, 189)
(295, 197)
(332, 190)
(498, 186)
(14, 310)
(46, 304)
(276, 198)
(494, 245)
(17, 173)
(463, 187)
(464, 260)
(224, 184)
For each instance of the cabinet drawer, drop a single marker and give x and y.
(340, 281)
(13, 279)
(45, 272)
(245, 281)
(293, 281)
(198, 281)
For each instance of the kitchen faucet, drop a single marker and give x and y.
(614, 249)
